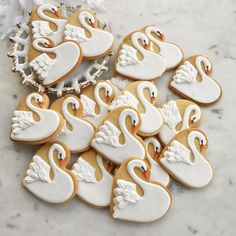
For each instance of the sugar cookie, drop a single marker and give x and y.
(134, 197)
(96, 100)
(134, 60)
(82, 28)
(76, 133)
(158, 174)
(33, 123)
(183, 158)
(52, 64)
(178, 115)
(46, 22)
(94, 179)
(142, 95)
(191, 80)
(116, 137)
(172, 54)
(47, 177)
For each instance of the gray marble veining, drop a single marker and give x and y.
(206, 27)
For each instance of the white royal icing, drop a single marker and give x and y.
(79, 138)
(25, 129)
(50, 70)
(38, 180)
(172, 118)
(185, 81)
(41, 28)
(157, 173)
(129, 205)
(176, 159)
(151, 117)
(171, 53)
(90, 105)
(106, 140)
(97, 44)
(150, 67)
(94, 192)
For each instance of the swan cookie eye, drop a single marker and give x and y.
(134, 123)
(143, 169)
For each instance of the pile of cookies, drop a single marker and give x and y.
(127, 150)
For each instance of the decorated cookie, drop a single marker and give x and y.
(76, 133)
(47, 177)
(33, 122)
(96, 100)
(94, 179)
(52, 64)
(142, 95)
(178, 115)
(82, 28)
(170, 52)
(46, 22)
(192, 81)
(134, 197)
(183, 158)
(134, 60)
(116, 137)
(158, 174)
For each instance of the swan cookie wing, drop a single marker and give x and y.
(186, 73)
(125, 99)
(39, 170)
(83, 171)
(42, 65)
(125, 193)
(75, 33)
(22, 120)
(120, 83)
(41, 29)
(171, 115)
(128, 56)
(177, 153)
(108, 134)
(88, 105)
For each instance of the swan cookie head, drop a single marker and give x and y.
(206, 64)
(201, 139)
(45, 42)
(60, 153)
(153, 147)
(39, 100)
(139, 36)
(89, 17)
(50, 8)
(155, 31)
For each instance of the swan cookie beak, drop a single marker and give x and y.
(147, 174)
(146, 46)
(156, 155)
(207, 72)
(202, 147)
(162, 37)
(58, 14)
(134, 129)
(108, 99)
(94, 25)
(40, 104)
(153, 100)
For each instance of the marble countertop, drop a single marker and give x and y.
(199, 27)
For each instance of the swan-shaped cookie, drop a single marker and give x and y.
(76, 133)
(46, 22)
(96, 100)
(183, 159)
(50, 70)
(134, 60)
(33, 123)
(108, 140)
(82, 28)
(94, 178)
(127, 201)
(178, 115)
(134, 95)
(56, 187)
(170, 52)
(191, 81)
(158, 174)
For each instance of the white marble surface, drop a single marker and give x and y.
(206, 27)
